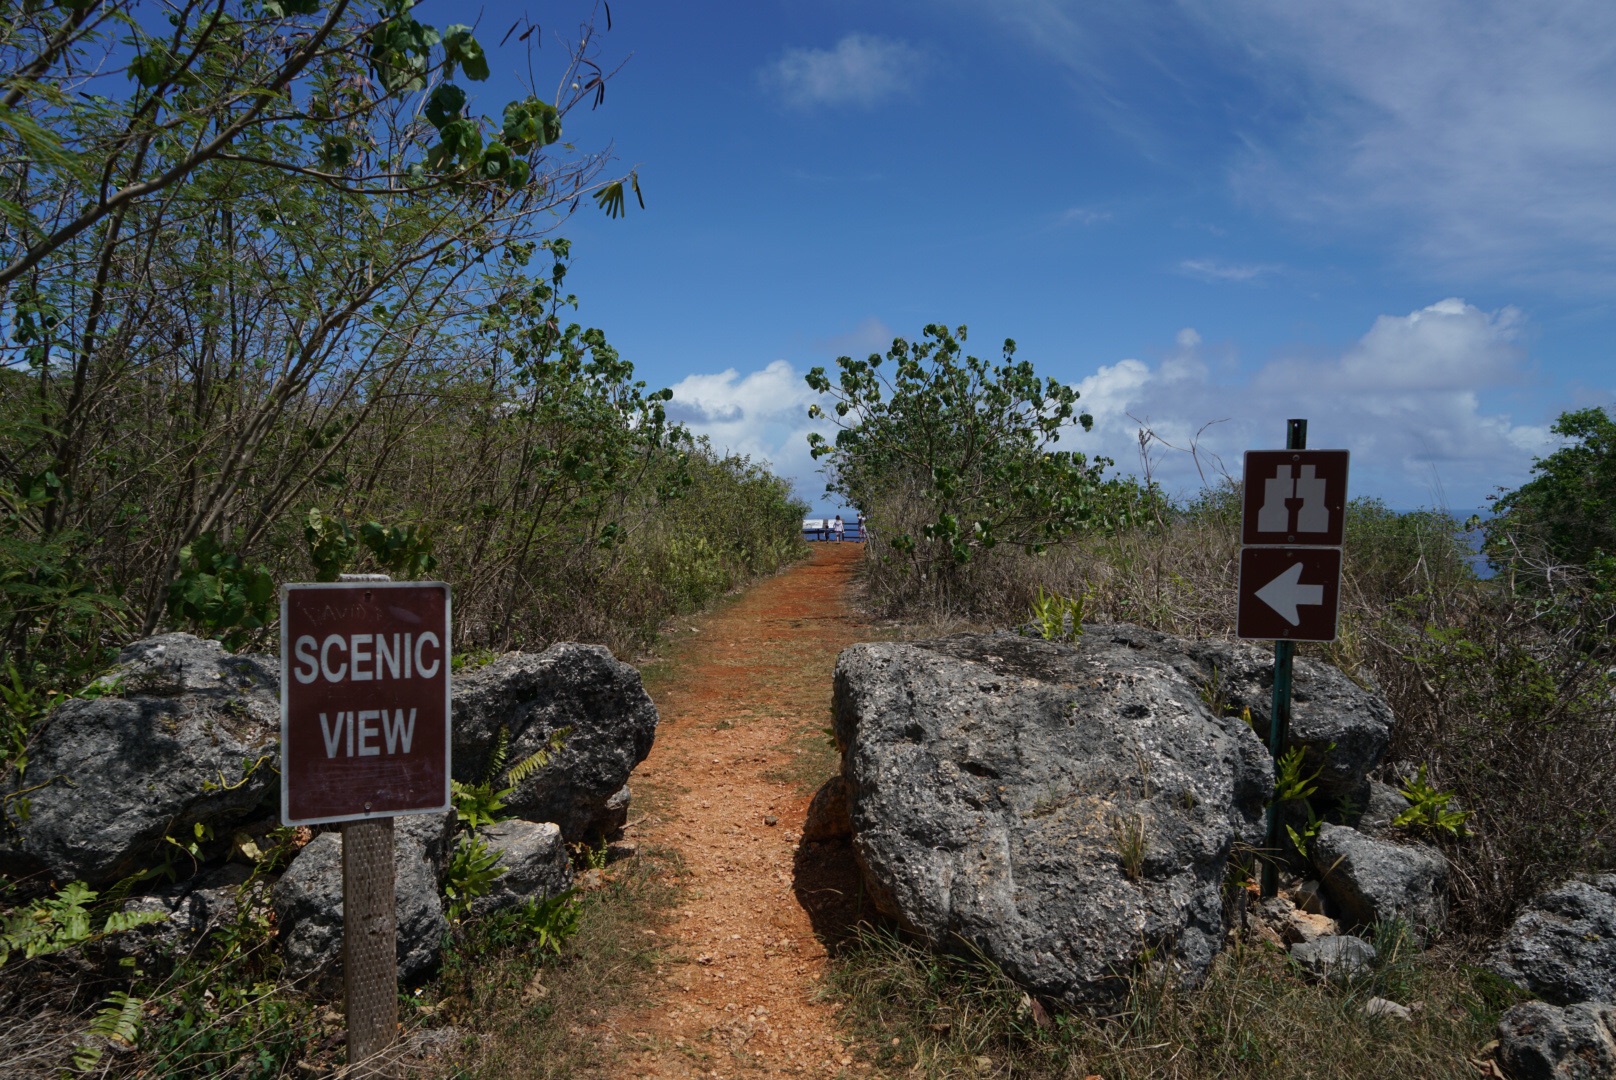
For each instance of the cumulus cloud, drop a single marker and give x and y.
(1404, 398)
(762, 414)
(861, 70)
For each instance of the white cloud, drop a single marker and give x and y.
(1212, 270)
(861, 69)
(762, 414)
(1476, 137)
(1404, 399)
(1485, 128)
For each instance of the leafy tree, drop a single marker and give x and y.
(1568, 510)
(968, 444)
(230, 234)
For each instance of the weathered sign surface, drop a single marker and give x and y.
(1295, 497)
(1295, 512)
(1289, 593)
(364, 700)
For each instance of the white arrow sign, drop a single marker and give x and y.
(1286, 592)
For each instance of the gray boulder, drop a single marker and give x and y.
(532, 697)
(615, 814)
(1343, 728)
(1061, 808)
(1339, 957)
(1372, 880)
(1562, 947)
(535, 861)
(192, 912)
(1382, 804)
(829, 815)
(308, 902)
(186, 734)
(1539, 1041)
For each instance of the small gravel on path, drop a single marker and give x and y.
(748, 687)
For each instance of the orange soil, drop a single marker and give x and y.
(748, 943)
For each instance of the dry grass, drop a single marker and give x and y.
(1255, 1017)
(544, 1013)
(1506, 697)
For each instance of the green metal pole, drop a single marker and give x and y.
(1279, 724)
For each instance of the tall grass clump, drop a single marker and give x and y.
(925, 1014)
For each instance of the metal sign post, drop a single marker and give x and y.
(1279, 725)
(1294, 521)
(365, 737)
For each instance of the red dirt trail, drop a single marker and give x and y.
(740, 998)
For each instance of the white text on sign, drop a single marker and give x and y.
(395, 732)
(366, 657)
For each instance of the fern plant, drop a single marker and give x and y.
(473, 869)
(551, 922)
(1290, 785)
(118, 1021)
(51, 926)
(482, 803)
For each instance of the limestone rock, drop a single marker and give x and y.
(1391, 1010)
(1338, 958)
(535, 862)
(1382, 804)
(532, 697)
(829, 816)
(308, 904)
(1539, 1041)
(186, 734)
(1309, 897)
(1342, 727)
(1062, 808)
(615, 817)
(193, 911)
(1372, 880)
(1562, 947)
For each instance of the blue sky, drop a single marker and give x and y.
(1397, 219)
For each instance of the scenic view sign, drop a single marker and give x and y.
(364, 700)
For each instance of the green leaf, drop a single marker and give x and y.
(336, 151)
(529, 123)
(461, 48)
(148, 69)
(445, 104)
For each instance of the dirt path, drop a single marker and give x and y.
(738, 742)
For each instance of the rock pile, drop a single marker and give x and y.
(184, 742)
(1070, 809)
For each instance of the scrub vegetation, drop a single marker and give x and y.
(276, 311)
(1493, 642)
(278, 302)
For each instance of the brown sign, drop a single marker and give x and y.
(364, 700)
(1289, 593)
(1295, 497)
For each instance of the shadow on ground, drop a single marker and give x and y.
(826, 881)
